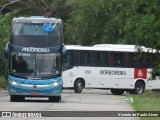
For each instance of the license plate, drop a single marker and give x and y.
(34, 92)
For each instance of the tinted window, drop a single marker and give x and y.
(120, 58)
(69, 60)
(141, 59)
(34, 35)
(83, 57)
(34, 65)
(100, 58)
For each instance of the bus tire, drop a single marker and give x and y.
(78, 86)
(13, 98)
(139, 88)
(21, 98)
(117, 91)
(55, 98)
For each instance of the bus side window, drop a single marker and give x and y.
(111, 59)
(117, 59)
(87, 58)
(136, 60)
(80, 60)
(132, 59)
(69, 60)
(77, 57)
(124, 59)
(95, 58)
(120, 59)
(101, 58)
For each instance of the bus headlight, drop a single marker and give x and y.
(13, 82)
(56, 83)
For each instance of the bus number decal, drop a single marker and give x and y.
(112, 72)
(140, 73)
(87, 71)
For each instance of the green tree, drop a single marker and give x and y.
(95, 22)
(5, 21)
(48, 8)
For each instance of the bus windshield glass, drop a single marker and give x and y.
(35, 66)
(36, 34)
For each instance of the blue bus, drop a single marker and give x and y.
(35, 54)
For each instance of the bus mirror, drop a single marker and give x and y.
(6, 51)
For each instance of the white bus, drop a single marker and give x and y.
(119, 68)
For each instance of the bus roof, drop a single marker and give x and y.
(109, 47)
(36, 19)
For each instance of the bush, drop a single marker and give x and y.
(3, 82)
(5, 23)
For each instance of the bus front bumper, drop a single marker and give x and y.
(35, 90)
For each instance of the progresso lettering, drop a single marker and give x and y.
(112, 72)
(31, 49)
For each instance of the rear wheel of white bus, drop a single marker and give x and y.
(139, 88)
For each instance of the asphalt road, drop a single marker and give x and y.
(91, 100)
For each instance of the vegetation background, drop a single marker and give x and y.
(89, 22)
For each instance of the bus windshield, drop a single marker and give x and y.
(27, 34)
(35, 66)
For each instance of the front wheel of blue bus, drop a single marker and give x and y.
(15, 98)
(55, 98)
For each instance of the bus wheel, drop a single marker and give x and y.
(78, 86)
(139, 88)
(13, 98)
(21, 98)
(117, 91)
(55, 98)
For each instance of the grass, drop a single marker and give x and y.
(148, 101)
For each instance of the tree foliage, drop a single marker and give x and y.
(115, 21)
(95, 22)
(48, 8)
(5, 21)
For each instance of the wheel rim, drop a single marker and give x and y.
(139, 89)
(80, 85)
